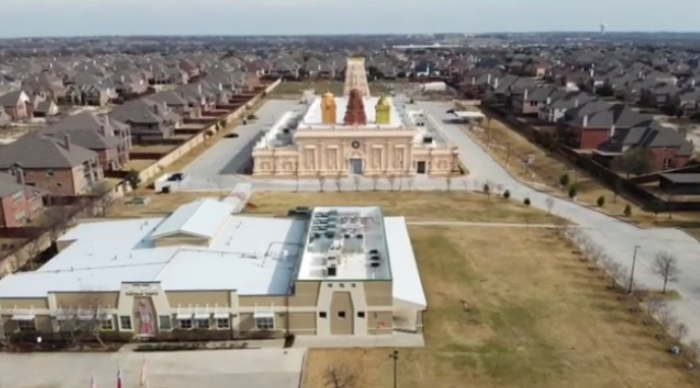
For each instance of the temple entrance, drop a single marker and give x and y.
(355, 166)
(420, 167)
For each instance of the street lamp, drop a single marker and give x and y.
(634, 261)
(395, 356)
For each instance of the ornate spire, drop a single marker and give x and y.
(355, 110)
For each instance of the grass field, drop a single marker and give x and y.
(511, 149)
(323, 86)
(537, 317)
(456, 206)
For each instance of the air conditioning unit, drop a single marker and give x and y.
(332, 271)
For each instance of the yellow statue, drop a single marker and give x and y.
(383, 111)
(328, 108)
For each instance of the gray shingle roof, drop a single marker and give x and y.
(36, 151)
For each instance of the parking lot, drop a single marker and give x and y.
(245, 368)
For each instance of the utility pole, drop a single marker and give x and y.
(394, 356)
(634, 261)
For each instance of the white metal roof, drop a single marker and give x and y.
(464, 114)
(201, 218)
(406, 285)
(252, 255)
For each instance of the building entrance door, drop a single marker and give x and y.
(355, 166)
(420, 167)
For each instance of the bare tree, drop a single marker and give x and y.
(549, 202)
(409, 183)
(448, 182)
(391, 179)
(339, 182)
(666, 267)
(654, 303)
(666, 318)
(296, 177)
(356, 182)
(321, 181)
(84, 322)
(617, 273)
(375, 182)
(694, 349)
(680, 331)
(103, 200)
(340, 376)
(400, 178)
(59, 219)
(28, 255)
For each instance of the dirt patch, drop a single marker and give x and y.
(537, 317)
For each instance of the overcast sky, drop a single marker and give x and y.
(277, 17)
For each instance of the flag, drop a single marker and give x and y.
(120, 383)
(143, 382)
(93, 382)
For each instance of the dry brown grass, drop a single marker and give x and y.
(139, 164)
(538, 317)
(415, 205)
(162, 148)
(545, 172)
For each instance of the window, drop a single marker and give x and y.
(265, 323)
(322, 314)
(185, 323)
(667, 162)
(25, 326)
(360, 314)
(17, 196)
(341, 314)
(203, 323)
(125, 322)
(106, 323)
(223, 323)
(166, 322)
(49, 173)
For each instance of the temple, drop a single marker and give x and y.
(354, 134)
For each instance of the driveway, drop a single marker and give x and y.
(245, 368)
(617, 237)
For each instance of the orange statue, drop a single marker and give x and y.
(328, 108)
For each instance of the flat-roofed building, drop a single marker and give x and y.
(333, 271)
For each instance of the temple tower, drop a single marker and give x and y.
(356, 77)
(355, 112)
(383, 111)
(328, 109)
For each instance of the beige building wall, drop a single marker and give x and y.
(342, 152)
(315, 308)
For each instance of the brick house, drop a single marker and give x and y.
(531, 100)
(19, 203)
(57, 166)
(670, 149)
(17, 105)
(587, 126)
(110, 139)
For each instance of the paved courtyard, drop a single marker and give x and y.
(246, 368)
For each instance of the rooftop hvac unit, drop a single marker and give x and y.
(373, 251)
(427, 140)
(375, 264)
(331, 271)
(333, 211)
(374, 258)
(344, 220)
(359, 235)
(346, 236)
(316, 235)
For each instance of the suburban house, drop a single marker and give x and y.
(150, 121)
(531, 100)
(670, 149)
(110, 139)
(55, 165)
(92, 95)
(19, 203)
(17, 105)
(556, 107)
(587, 126)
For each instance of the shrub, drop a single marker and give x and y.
(289, 340)
(572, 192)
(601, 201)
(506, 194)
(564, 180)
(628, 210)
(487, 189)
(526, 202)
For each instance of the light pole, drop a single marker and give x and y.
(394, 356)
(634, 261)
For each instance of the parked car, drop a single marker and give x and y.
(231, 135)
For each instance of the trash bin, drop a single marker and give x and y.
(165, 190)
